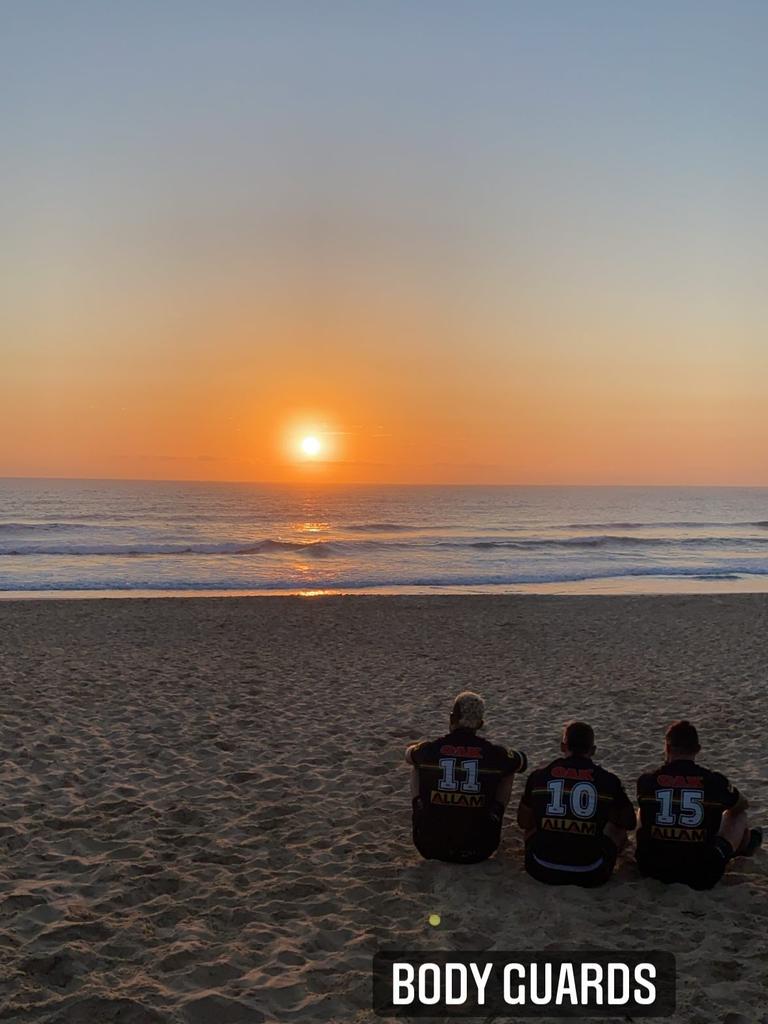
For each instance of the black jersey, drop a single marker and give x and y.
(681, 807)
(573, 799)
(458, 777)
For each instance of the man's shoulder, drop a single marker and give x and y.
(544, 770)
(606, 776)
(427, 745)
(507, 758)
(714, 778)
(649, 777)
(497, 748)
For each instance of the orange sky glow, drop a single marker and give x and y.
(528, 256)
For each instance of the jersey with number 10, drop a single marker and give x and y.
(573, 799)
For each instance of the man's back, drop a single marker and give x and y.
(458, 777)
(573, 799)
(681, 809)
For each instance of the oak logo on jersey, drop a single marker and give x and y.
(678, 781)
(454, 799)
(569, 825)
(450, 749)
(579, 774)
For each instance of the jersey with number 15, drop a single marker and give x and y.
(681, 806)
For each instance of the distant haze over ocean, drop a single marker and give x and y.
(65, 535)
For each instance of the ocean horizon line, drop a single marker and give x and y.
(373, 486)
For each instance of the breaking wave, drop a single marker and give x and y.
(389, 528)
(664, 525)
(606, 541)
(371, 581)
(314, 549)
(342, 548)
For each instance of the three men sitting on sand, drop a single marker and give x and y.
(574, 813)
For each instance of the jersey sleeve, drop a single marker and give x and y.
(507, 761)
(417, 752)
(511, 761)
(728, 795)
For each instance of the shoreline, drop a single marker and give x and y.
(642, 586)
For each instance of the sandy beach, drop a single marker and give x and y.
(205, 813)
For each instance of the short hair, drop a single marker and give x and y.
(578, 737)
(468, 710)
(682, 736)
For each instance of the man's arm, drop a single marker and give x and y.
(643, 788)
(411, 758)
(411, 750)
(622, 813)
(504, 790)
(526, 818)
(511, 762)
(734, 802)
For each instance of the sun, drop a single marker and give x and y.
(310, 446)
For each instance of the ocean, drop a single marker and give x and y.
(96, 537)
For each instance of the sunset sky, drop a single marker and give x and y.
(492, 242)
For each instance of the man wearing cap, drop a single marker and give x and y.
(575, 815)
(460, 785)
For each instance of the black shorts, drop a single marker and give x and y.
(543, 870)
(477, 846)
(702, 869)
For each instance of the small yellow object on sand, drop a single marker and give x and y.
(434, 920)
